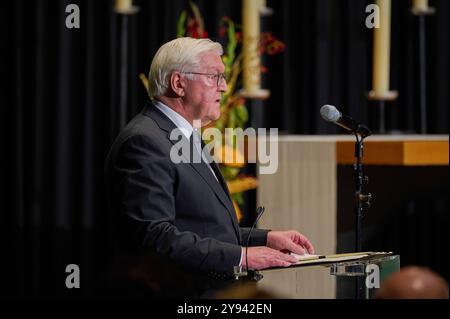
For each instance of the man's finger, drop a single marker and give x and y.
(297, 249)
(306, 244)
(287, 257)
(309, 246)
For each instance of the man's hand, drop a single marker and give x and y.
(290, 240)
(261, 257)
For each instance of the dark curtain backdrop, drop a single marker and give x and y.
(59, 108)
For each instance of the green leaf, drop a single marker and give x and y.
(219, 124)
(232, 118)
(231, 48)
(181, 30)
(242, 114)
(229, 173)
(232, 42)
(238, 198)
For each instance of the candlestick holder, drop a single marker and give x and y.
(426, 11)
(260, 94)
(126, 10)
(121, 41)
(421, 13)
(382, 98)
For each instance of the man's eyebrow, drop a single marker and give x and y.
(214, 70)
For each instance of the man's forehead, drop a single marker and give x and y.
(211, 57)
(211, 62)
(216, 65)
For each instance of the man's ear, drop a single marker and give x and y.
(177, 83)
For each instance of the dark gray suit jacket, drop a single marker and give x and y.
(179, 210)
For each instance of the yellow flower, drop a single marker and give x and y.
(230, 157)
(238, 211)
(242, 184)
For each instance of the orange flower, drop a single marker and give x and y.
(230, 157)
(242, 184)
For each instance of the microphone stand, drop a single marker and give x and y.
(362, 201)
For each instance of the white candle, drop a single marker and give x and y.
(250, 44)
(381, 49)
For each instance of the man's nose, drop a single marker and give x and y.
(223, 87)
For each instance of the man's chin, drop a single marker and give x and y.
(215, 118)
(208, 120)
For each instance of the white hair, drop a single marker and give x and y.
(181, 54)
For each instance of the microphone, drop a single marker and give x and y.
(331, 114)
(260, 211)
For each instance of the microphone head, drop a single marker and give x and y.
(330, 113)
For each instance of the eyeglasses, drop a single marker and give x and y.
(218, 77)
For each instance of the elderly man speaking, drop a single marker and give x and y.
(183, 212)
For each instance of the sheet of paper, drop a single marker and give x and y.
(307, 258)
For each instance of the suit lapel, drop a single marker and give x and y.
(202, 169)
(216, 170)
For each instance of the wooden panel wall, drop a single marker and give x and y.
(301, 195)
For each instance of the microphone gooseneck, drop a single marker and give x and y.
(259, 211)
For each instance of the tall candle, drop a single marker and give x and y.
(250, 45)
(381, 49)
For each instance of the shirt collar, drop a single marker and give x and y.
(176, 118)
